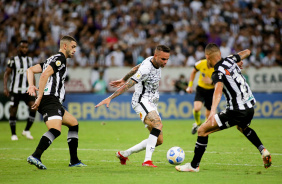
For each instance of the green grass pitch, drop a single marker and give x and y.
(229, 158)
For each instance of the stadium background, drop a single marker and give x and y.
(115, 35)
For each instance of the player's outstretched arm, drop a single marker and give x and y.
(118, 92)
(120, 82)
(215, 100)
(189, 89)
(244, 54)
(31, 79)
(42, 83)
(7, 73)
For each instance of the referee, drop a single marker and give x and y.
(17, 66)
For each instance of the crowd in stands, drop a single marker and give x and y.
(124, 32)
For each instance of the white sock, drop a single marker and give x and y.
(135, 149)
(150, 148)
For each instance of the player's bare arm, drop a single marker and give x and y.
(216, 99)
(7, 73)
(120, 82)
(192, 77)
(244, 54)
(153, 120)
(42, 83)
(31, 79)
(118, 92)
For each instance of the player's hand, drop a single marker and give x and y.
(117, 83)
(211, 118)
(32, 90)
(6, 92)
(36, 104)
(207, 80)
(189, 90)
(105, 101)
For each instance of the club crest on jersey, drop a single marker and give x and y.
(58, 63)
(138, 75)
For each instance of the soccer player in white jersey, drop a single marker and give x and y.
(227, 78)
(144, 101)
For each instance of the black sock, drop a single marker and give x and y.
(199, 150)
(253, 138)
(73, 144)
(30, 120)
(45, 141)
(12, 122)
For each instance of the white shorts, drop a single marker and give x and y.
(143, 108)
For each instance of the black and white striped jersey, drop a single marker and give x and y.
(19, 65)
(147, 78)
(55, 84)
(236, 90)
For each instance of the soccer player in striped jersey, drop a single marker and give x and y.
(146, 76)
(227, 78)
(17, 67)
(51, 94)
(204, 91)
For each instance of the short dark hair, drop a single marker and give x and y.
(68, 38)
(163, 48)
(211, 48)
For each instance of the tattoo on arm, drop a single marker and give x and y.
(131, 73)
(123, 89)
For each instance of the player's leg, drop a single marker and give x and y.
(54, 130)
(198, 103)
(153, 120)
(251, 135)
(30, 119)
(210, 126)
(71, 122)
(14, 103)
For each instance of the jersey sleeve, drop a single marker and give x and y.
(236, 58)
(56, 63)
(217, 76)
(11, 63)
(141, 74)
(198, 65)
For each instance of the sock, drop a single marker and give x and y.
(12, 122)
(151, 143)
(199, 150)
(73, 143)
(197, 116)
(45, 141)
(30, 120)
(253, 138)
(135, 149)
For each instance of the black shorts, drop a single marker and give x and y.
(51, 108)
(229, 118)
(205, 96)
(17, 97)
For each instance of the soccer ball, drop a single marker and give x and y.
(175, 155)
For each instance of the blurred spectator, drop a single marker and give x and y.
(100, 86)
(137, 26)
(181, 84)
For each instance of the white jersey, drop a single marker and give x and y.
(147, 78)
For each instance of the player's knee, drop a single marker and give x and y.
(13, 110)
(202, 132)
